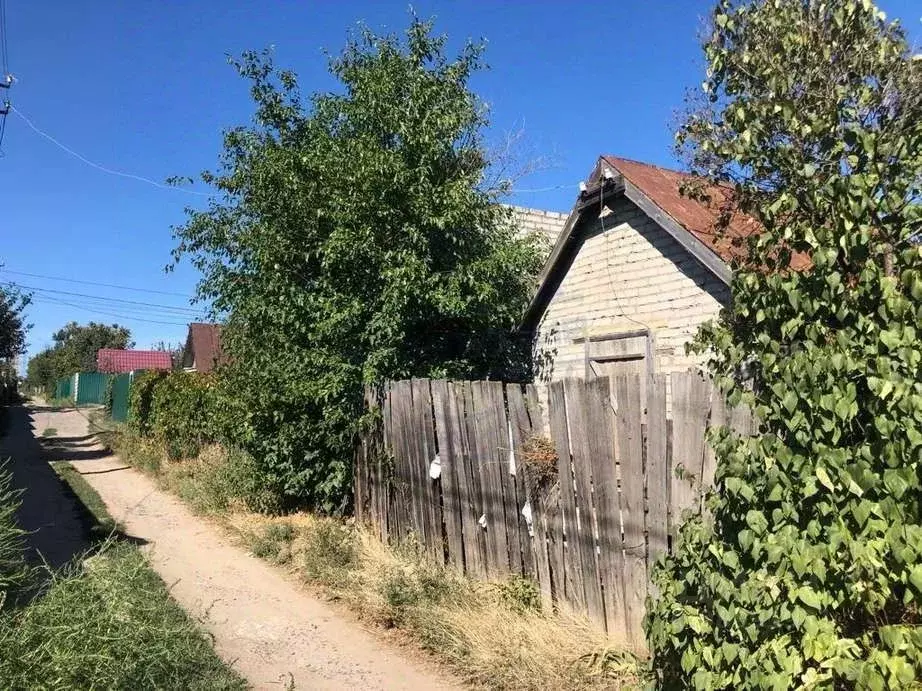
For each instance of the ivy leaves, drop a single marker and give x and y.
(808, 565)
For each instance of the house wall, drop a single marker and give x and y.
(548, 224)
(628, 275)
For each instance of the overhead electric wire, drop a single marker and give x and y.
(187, 310)
(124, 317)
(94, 283)
(97, 166)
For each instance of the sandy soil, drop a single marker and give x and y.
(269, 628)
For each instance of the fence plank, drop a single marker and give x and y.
(488, 463)
(430, 488)
(548, 518)
(405, 480)
(602, 459)
(580, 400)
(572, 588)
(505, 466)
(691, 395)
(449, 460)
(630, 456)
(718, 418)
(475, 551)
(657, 471)
(520, 429)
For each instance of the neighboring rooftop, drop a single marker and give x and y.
(113, 361)
(203, 347)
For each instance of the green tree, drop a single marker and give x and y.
(12, 327)
(74, 350)
(356, 242)
(808, 568)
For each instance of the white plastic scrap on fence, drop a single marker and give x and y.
(482, 521)
(526, 513)
(435, 468)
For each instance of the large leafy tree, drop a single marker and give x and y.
(808, 568)
(355, 242)
(74, 350)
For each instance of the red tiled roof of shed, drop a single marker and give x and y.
(113, 361)
(662, 186)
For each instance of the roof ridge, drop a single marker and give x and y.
(611, 158)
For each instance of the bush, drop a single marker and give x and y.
(330, 551)
(181, 413)
(140, 398)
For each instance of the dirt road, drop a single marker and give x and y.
(263, 623)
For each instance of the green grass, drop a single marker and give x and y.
(109, 623)
(103, 522)
(50, 432)
(60, 403)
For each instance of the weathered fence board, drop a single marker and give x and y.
(630, 454)
(449, 463)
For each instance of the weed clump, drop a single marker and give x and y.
(329, 552)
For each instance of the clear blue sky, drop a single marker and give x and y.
(143, 87)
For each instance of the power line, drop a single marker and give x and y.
(175, 308)
(4, 55)
(102, 168)
(115, 315)
(94, 283)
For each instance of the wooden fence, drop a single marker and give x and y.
(452, 463)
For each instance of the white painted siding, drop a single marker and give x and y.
(628, 276)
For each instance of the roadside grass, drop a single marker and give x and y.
(108, 623)
(104, 622)
(50, 432)
(103, 524)
(493, 635)
(60, 403)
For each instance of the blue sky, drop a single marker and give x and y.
(143, 87)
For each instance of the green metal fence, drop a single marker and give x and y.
(91, 387)
(64, 388)
(121, 385)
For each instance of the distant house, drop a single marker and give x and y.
(546, 224)
(634, 273)
(203, 348)
(113, 361)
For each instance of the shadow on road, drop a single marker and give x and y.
(53, 517)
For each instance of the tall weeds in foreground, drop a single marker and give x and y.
(108, 623)
(14, 571)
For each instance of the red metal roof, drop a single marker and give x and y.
(699, 218)
(114, 361)
(204, 340)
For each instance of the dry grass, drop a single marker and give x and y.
(489, 633)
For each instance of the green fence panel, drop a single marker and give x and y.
(91, 387)
(121, 385)
(64, 387)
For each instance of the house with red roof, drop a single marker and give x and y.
(203, 348)
(631, 277)
(113, 361)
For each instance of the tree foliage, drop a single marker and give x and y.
(355, 243)
(12, 327)
(74, 350)
(808, 569)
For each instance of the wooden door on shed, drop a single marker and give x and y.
(615, 354)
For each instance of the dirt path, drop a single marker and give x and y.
(262, 622)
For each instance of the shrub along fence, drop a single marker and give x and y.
(465, 466)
